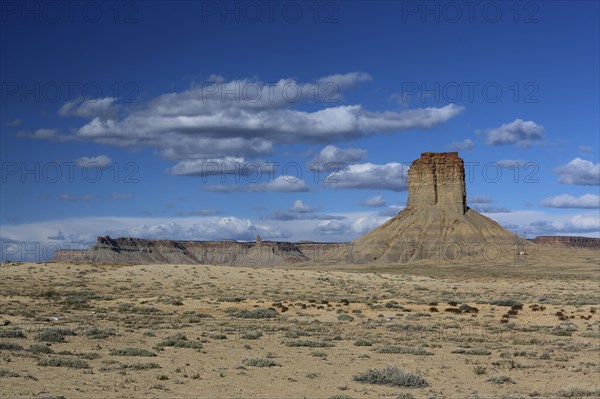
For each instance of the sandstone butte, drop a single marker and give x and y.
(436, 218)
(436, 224)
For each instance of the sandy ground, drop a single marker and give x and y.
(535, 331)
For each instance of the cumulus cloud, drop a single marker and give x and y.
(301, 207)
(332, 227)
(90, 108)
(588, 201)
(466, 144)
(345, 80)
(518, 132)
(332, 157)
(207, 122)
(391, 176)
(579, 171)
(375, 202)
(101, 161)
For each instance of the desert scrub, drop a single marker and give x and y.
(362, 342)
(309, 344)
(345, 317)
(131, 308)
(13, 332)
(196, 317)
(252, 335)
(179, 340)
(500, 379)
(131, 352)
(140, 366)
(6, 373)
(507, 302)
(99, 333)
(252, 314)
(318, 354)
(40, 349)
(403, 350)
(10, 346)
(260, 362)
(391, 376)
(577, 393)
(296, 333)
(64, 362)
(56, 334)
(472, 351)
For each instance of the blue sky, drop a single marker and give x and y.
(120, 118)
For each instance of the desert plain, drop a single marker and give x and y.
(514, 328)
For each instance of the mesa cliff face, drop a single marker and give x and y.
(438, 179)
(436, 223)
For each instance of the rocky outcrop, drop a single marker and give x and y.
(127, 250)
(568, 242)
(438, 179)
(436, 223)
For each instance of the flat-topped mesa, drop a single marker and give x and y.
(438, 179)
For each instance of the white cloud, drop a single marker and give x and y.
(344, 80)
(519, 132)
(282, 184)
(90, 108)
(568, 201)
(332, 227)
(101, 161)
(207, 122)
(464, 145)
(391, 176)
(375, 202)
(301, 207)
(512, 163)
(332, 157)
(579, 171)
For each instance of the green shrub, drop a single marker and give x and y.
(37, 348)
(54, 334)
(99, 333)
(131, 352)
(363, 343)
(10, 346)
(392, 376)
(260, 362)
(309, 344)
(252, 335)
(500, 379)
(13, 332)
(64, 362)
(252, 314)
(179, 340)
(403, 350)
(5, 373)
(473, 351)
